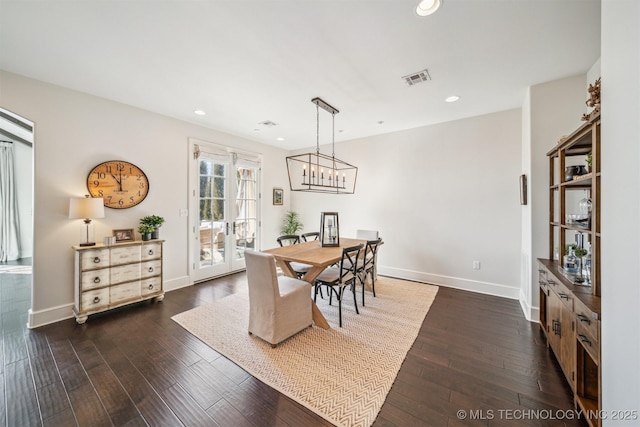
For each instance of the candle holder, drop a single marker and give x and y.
(329, 229)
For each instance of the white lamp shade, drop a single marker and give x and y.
(86, 208)
(427, 7)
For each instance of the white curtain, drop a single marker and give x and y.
(9, 219)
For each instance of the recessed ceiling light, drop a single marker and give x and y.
(200, 113)
(381, 122)
(452, 98)
(279, 138)
(427, 7)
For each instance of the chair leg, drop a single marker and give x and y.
(353, 291)
(373, 282)
(340, 308)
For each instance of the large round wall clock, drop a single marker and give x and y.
(121, 184)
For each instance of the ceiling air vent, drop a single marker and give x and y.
(415, 78)
(268, 123)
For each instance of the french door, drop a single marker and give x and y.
(225, 219)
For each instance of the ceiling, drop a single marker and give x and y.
(246, 62)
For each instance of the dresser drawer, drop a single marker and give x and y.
(151, 285)
(151, 251)
(125, 292)
(587, 319)
(151, 268)
(94, 279)
(125, 273)
(566, 297)
(125, 255)
(588, 342)
(95, 300)
(94, 258)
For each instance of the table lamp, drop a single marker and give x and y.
(86, 208)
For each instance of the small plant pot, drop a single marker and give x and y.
(146, 236)
(155, 234)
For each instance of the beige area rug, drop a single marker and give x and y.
(342, 374)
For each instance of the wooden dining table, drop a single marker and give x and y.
(318, 257)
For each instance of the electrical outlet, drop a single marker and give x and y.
(183, 212)
(476, 265)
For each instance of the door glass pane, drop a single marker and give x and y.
(211, 214)
(246, 209)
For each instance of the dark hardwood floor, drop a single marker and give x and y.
(136, 367)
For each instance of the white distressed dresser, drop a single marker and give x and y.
(107, 277)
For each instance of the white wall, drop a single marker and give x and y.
(620, 208)
(551, 110)
(75, 132)
(441, 196)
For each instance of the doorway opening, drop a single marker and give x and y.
(16, 208)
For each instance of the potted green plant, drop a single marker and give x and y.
(145, 231)
(154, 221)
(588, 160)
(291, 223)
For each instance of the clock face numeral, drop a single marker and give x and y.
(121, 184)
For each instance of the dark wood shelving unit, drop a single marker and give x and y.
(570, 312)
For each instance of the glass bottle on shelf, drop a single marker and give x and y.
(585, 207)
(570, 262)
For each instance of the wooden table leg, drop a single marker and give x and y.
(318, 317)
(316, 314)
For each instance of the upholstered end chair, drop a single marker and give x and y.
(279, 306)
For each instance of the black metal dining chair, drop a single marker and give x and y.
(369, 265)
(337, 279)
(310, 236)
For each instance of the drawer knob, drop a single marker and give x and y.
(96, 280)
(564, 296)
(151, 286)
(150, 269)
(584, 339)
(96, 300)
(551, 282)
(584, 318)
(150, 251)
(96, 260)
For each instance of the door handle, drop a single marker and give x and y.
(234, 227)
(226, 228)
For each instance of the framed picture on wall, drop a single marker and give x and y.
(278, 196)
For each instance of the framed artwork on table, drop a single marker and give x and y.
(278, 196)
(329, 229)
(124, 235)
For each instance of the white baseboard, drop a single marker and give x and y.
(63, 312)
(50, 315)
(173, 284)
(452, 282)
(531, 313)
